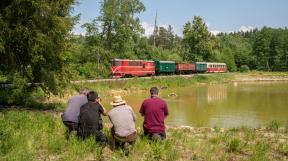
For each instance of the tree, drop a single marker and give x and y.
(196, 40)
(33, 41)
(240, 46)
(164, 38)
(261, 48)
(93, 43)
(120, 28)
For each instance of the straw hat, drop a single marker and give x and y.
(117, 100)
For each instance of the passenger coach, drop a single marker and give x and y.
(216, 68)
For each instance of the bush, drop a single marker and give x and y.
(244, 68)
(92, 70)
(234, 145)
(274, 125)
(260, 152)
(283, 148)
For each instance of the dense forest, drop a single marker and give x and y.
(37, 44)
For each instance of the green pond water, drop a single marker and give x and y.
(223, 105)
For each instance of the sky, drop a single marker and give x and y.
(219, 15)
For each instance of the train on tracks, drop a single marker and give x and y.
(131, 68)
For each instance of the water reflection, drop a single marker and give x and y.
(216, 93)
(225, 105)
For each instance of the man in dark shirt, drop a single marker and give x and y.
(90, 121)
(154, 111)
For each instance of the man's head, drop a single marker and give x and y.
(83, 91)
(154, 91)
(92, 96)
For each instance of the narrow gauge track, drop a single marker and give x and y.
(149, 77)
(111, 80)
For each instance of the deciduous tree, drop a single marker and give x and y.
(33, 40)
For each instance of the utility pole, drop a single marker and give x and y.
(155, 30)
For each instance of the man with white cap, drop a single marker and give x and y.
(123, 119)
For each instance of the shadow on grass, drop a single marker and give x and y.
(26, 99)
(35, 106)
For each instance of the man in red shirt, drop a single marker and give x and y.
(154, 110)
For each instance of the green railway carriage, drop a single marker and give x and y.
(201, 67)
(165, 67)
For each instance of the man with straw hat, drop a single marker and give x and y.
(123, 119)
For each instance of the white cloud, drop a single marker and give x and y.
(242, 28)
(149, 28)
(246, 28)
(77, 29)
(165, 26)
(215, 32)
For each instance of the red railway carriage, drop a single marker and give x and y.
(216, 67)
(183, 68)
(125, 68)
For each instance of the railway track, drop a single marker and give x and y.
(236, 79)
(110, 80)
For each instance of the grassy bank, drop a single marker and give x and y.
(27, 135)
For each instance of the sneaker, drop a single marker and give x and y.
(156, 137)
(126, 148)
(73, 133)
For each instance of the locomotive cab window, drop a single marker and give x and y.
(115, 63)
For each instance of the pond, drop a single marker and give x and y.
(250, 104)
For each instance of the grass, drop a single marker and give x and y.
(37, 135)
(34, 135)
(234, 145)
(274, 125)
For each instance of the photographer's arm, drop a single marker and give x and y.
(104, 112)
